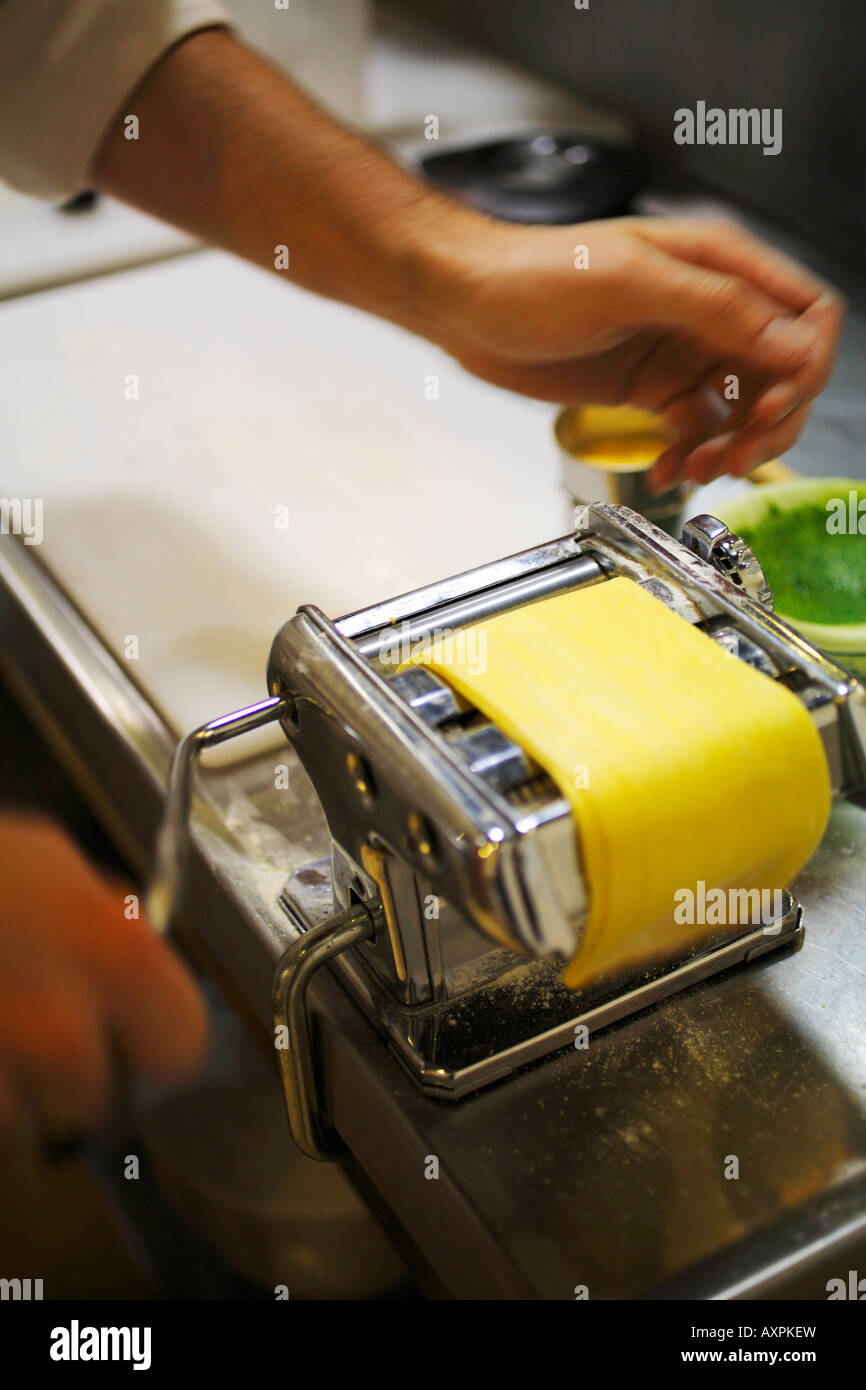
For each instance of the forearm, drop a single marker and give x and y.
(231, 151)
(652, 312)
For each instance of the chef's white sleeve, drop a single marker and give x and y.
(66, 66)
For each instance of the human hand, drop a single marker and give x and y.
(655, 312)
(80, 983)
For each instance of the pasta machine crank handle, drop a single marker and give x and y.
(164, 893)
(306, 955)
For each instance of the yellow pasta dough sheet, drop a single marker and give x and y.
(684, 767)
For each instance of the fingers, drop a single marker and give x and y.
(13, 1112)
(736, 452)
(651, 369)
(783, 364)
(776, 414)
(82, 980)
(152, 1006)
(672, 367)
(670, 377)
(722, 244)
(728, 315)
(674, 326)
(691, 419)
(55, 1062)
(740, 453)
(826, 317)
(742, 279)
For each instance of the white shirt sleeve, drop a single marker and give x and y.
(65, 68)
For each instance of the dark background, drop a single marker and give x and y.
(646, 58)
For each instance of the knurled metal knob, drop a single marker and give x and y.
(728, 553)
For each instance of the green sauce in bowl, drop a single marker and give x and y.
(816, 575)
(810, 538)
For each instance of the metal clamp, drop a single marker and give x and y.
(295, 971)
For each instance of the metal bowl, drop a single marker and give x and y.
(579, 429)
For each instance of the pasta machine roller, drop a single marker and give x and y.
(454, 889)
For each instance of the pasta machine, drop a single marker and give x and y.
(454, 889)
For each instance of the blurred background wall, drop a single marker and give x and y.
(646, 58)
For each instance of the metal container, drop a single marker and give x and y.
(579, 431)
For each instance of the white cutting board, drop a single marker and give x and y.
(254, 395)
